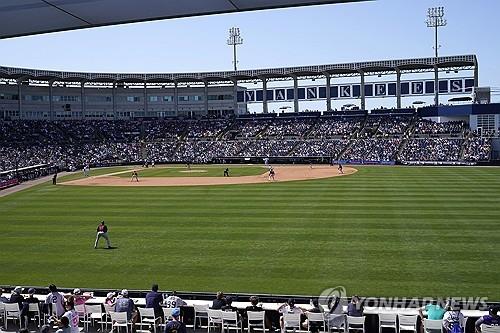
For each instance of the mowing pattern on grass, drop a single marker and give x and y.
(384, 231)
(198, 171)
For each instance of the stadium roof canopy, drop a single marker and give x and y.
(29, 17)
(383, 67)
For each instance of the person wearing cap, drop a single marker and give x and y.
(79, 297)
(111, 298)
(491, 319)
(453, 316)
(31, 298)
(154, 300)
(55, 300)
(125, 304)
(102, 231)
(16, 297)
(3, 299)
(219, 301)
(175, 325)
(288, 307)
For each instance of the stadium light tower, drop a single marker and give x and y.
(234, 39)
(435, 19)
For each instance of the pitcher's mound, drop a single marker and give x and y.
(282, 173)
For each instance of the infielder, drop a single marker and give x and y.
(102, 231)
(135, 176)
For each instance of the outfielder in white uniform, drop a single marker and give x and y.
(102, 231)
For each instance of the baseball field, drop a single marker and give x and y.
(381, 231)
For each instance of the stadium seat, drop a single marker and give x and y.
(231, 321)
(119, 319)
(12, 312)
(107, 311)
(336, 322)
(148, 318)
(407, 323)
(34, 313)
(94, 313)
(387, 320)
(490, 329)
(317, 319)
(356, 324)
(214, 319)
(256, 319)
(200, 312)
(433, 326)
(291, 321)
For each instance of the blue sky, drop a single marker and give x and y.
(382, 29)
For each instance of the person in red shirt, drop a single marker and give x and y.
(102, 231)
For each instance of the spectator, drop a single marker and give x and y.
(55, 301)
(175, 326)
(229, 305)
(79, 297)
(173, 301)
(219, 301)
(110, 298)
(64, 326)
(154, 300)
(491, 319)
(453, 319)
(288, 307)
(125, 304)
(355, 307)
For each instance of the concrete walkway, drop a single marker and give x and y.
(30, 183)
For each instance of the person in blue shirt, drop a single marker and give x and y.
(491, 319)
(154, 300)
(175, 325)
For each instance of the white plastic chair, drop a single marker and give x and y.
(356, 323)
(119, 319)
(433, 326)
(148, 318)
(336, 322)
(490, 329)
(214, 318)
(107, 310)
(200, 312)
(407, 323)
(387, 320)
(94, 313)
(2, 312)
(291, 320)
(34, 309)
(316, 318)
(12, 312)
(256, 319)
(230, 321)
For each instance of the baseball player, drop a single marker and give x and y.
(102, 231)
(134, 176)
(341, 170)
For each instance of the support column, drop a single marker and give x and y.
(398, 88)
(328, 90)
(362, 90)
(82, 98)
(295, 94)
(145, 100)
(436, 85)
(176, 99)
(264, 95)
(205, 97)
(113, 92)
(476, 75)
(51, 102)
(20, 99)
(235, 92)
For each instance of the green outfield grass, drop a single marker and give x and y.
(384, 231)
(198, 171)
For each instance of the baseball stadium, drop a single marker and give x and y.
(285, 184)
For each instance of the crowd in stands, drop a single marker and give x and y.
(425, 126)
(72, 144)
(67, 311)
(435, 149)
(372, 150)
